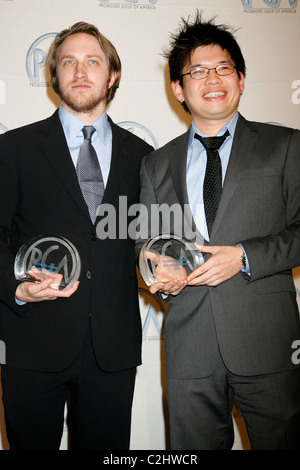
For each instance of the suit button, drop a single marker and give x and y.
(94, 236)
(88, 275)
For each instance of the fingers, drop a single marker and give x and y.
(51, 279)
(224, 263)
(201, 279)
(68, 292)
(43, 275)
(170, 279)
(168, 288)
(47, 289)
(152, 256)
(200, 276)
(158, 286)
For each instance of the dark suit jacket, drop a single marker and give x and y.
(40, 194)
(253, 321)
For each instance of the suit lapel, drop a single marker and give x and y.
(178, 160)
(55, 149)
(244, 140)
(117, 166)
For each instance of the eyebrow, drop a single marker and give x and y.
(72, 56)
(219, 63)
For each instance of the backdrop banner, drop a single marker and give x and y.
(268, 32)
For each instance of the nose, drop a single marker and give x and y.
(80, 71)
(213, 77)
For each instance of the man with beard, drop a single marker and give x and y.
(83, 342)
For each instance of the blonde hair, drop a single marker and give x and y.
(113, 59)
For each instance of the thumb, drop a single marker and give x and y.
(205, 248)
(152, 256)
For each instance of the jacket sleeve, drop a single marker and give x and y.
(147, 204)
(278, 252)
(9, 196)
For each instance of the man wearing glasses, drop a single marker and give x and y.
(231, 324)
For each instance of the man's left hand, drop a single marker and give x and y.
(224, 263)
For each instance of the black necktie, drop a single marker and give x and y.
(89, 173)
(212, 187)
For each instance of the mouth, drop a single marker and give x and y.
(214, 94)
(79, 85)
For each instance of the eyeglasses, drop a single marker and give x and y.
(198, 73)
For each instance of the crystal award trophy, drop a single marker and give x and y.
(48, 256)
(168, 257)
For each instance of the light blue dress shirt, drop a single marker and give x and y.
(195, 173)
(195, 170)
(101, 139)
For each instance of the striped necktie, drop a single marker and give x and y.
(89, 173)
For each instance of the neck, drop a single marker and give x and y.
(87, 117)
(211, 128)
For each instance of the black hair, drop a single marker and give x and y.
(201, 33)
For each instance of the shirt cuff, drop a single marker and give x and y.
(246, 269)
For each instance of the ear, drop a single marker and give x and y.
(178, 91)
(242, 83)
(113, 77)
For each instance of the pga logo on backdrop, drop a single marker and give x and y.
(36, 60)
(141, 131)
(270, 3)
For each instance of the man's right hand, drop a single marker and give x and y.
(45, 289)
(168, 288)
(170, 276)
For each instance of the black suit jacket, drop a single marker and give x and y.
(40, 194)
(252, 321)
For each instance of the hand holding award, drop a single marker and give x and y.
(51, 261)
(167, 258)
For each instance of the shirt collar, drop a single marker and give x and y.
(73, 126)
(230, 126)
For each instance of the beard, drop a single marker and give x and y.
(82, 104)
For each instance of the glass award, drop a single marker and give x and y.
(168, 257)
(48, 256)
